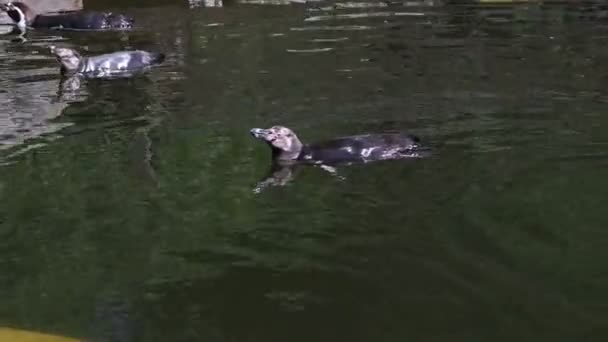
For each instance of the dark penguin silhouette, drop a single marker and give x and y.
(288, 152)
(106, 64)
(24, 16)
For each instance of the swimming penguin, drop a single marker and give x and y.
(286, 146)
(24, 16)
(106, 64)
(288, 152)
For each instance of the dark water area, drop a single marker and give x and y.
(128, 210)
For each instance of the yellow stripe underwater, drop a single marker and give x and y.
(15, 335)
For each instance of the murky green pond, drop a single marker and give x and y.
(127, 208)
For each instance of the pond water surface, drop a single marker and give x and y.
(128, 210)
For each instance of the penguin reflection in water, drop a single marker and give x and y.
(288, 151)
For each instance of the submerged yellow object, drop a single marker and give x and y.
(15, 335)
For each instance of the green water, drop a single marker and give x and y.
(127, 206)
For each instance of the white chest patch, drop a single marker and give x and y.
(22, 23)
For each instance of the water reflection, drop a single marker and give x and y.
(57, 97)
(278, 175)
(29, 93)
(281, 174)
(29, 100)
(13, 33)
(364, 15)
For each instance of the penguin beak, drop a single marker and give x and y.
(259, 133)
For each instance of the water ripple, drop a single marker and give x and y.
(364, 15)
(309, 50)
(333, 28)
(328, 40)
